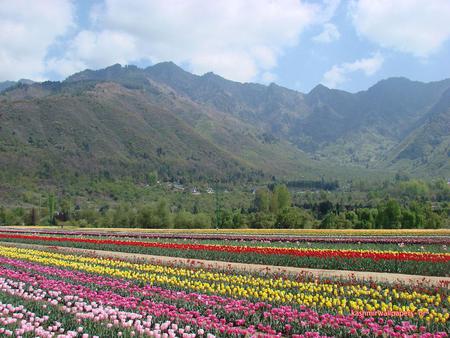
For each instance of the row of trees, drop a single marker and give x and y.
(388, 215)
(273, 210)
(272, 207)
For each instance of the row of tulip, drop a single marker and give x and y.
(291, 232)
(348, 297)
(366, 260)
(241, 249)
(132, 297)
(71, 315)
(249, 241)
(324, 238)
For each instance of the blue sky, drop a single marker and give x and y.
(348, 45)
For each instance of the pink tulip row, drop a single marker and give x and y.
(108, 316)
(208, 322)
(210, 303)
(26, 321)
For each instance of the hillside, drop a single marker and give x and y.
(429, 144)
(126, 121)
(60, 131)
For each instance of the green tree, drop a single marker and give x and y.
(152, 177)
(2, 216)
(183, 220)
(261, 220)
(202, 220)
(293, 218)
(329, 221)
(441, 190)
(124, 216)
(333, 221)
(91, 217)
(261, 201)
(163, 215)
(408, 219)
(65, 209)
(238, 220)
(389, 215)
(51, 203)
(366, 218)
(414, 189)
(324, 208)
(283, 196)
(274, 202)
(33, 217)
(146, 218)
(226, 219)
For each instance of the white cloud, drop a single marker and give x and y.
(338, 73)
(240, 40)
(329, 34)
(268, 77)
(419, 27)
(27, 30)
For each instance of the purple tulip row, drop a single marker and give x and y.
(209, 313)
(345, 239)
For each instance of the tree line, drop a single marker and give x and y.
(272, 206)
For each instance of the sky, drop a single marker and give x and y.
(348, 45)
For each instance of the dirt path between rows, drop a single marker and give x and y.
(258, 268)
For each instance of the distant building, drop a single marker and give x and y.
(178, 187)
(194, 191)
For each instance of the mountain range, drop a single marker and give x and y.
(125, 121)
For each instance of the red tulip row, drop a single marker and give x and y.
(320, 253)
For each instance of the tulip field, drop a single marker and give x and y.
(418, 255)
(51, 288)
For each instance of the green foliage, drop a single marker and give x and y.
(273, 201)
(333, 221)
(283, 196)
(389, 215)
(261, 220)
(155, 216)
(414, 189)
(2, 216)
(125, 216)
(441, 190)
(293, 218)
(388, 204)
(51, 204)
(152, 177)
(262, 200)
(186, 220)
(366, 218)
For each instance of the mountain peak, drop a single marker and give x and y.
(209, 74)
(167, 66)
(26, 81)
(213, 77)
(319, 89)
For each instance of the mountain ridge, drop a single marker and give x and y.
(241, 130)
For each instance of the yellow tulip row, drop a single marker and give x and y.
(331, 297)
